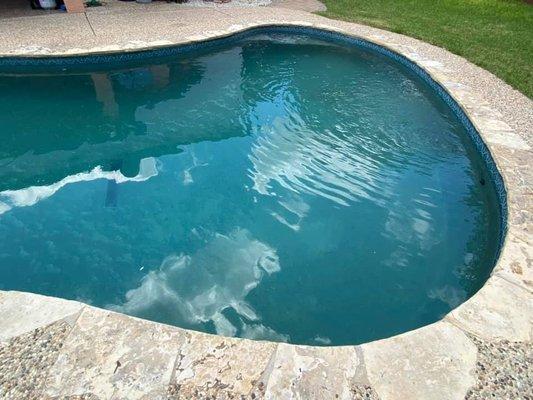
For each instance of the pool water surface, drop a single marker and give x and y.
(278, 187)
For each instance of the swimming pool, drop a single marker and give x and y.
(282, 184)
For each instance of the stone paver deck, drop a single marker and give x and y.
(58, 349)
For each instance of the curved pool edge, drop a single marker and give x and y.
(435, 361)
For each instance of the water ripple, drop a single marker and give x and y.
(337, 167)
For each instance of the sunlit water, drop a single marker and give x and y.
(278, 187)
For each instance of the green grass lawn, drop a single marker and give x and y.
(494, 34)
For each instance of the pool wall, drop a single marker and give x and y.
(73, 349)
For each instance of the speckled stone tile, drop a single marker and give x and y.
(364, 392)
(50, 28)
(113, 356)
(214, 367)
(26, 360)
(504, 370)
(130, 27)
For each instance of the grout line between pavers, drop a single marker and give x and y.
(450, 319)
(177, 359)
(224, 13)
(72, 327)
(503, 277)
(89, 22)
(267, 373)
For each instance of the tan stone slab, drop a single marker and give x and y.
(498, 132)
(304, 372)
(113, 356)
(434, 362)
(513, 162)
(500, 310)
(515, 263)
(211, 366)
(23, 312)
(513, 165)
(505, 138)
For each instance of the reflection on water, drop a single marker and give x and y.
(279, 188)
(31, 195)
(224, 271)
(110, 119)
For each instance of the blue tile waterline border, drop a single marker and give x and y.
(21, 65)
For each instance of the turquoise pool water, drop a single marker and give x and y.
(277, 186)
